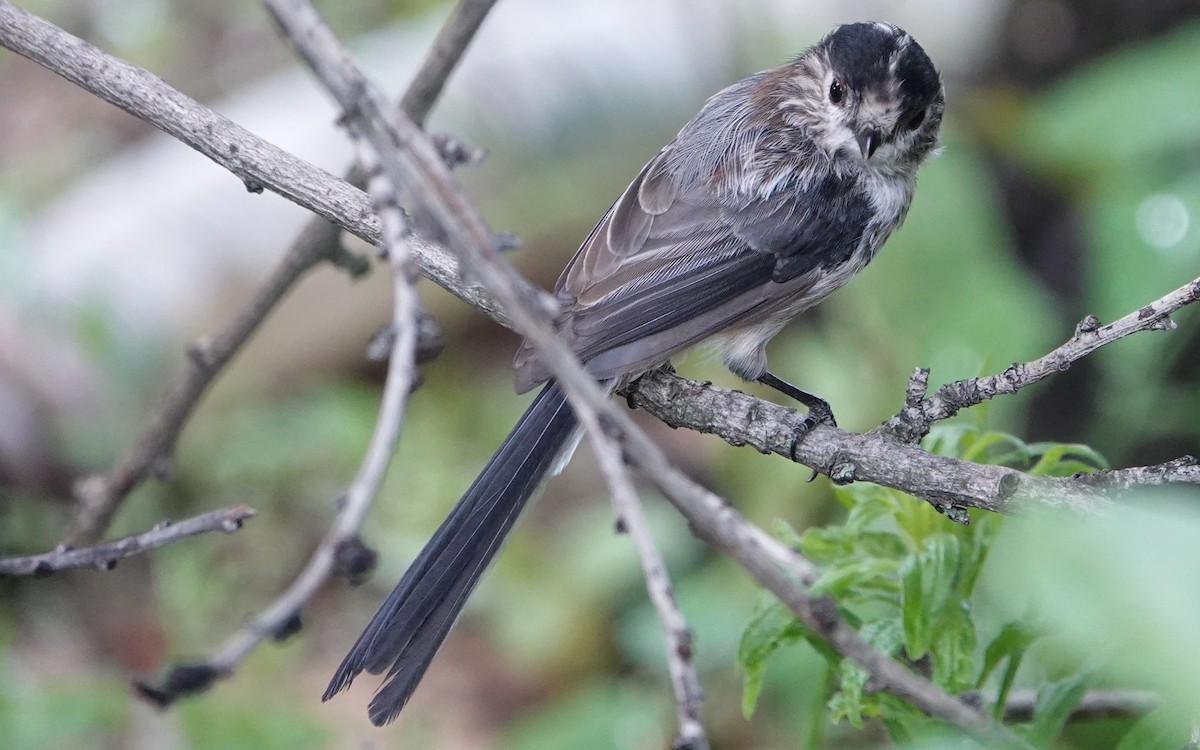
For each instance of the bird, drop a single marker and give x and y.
(781, 189)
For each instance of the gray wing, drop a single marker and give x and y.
(667, 267)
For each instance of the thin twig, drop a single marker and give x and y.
(363, 490)
(889, 455)
(105, 556)
(429, 181)
(787, 575)
(100, 496)
(359, 496)
(1095, 704)
(259, 165)
(282, 614)
(953, 484)
(913, 422)
(685, 682)
(443, 57)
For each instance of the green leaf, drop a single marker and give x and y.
(1064, 459)
(826, 545)
(953, 651)
(981, 536)
(851, 701)
(1013, 640)
(786, 534)
(1121, 110)
(928, 583)
(912, 603)
(1054, 705)
(908, 726)
(1158, 730)
(869, 509)
(868, 574)
(978, 448)
(772, 627)
(882, 544)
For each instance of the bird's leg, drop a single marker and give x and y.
(819, 411)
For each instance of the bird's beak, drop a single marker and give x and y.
(869, 140)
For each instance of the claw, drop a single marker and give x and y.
(816, 416)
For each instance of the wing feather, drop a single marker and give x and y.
(670, 265)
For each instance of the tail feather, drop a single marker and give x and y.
(414, 620)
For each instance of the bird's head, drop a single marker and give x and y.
(869, 92)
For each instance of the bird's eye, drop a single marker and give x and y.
(915, 120)
(837, 92)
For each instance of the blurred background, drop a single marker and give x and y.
(1069, 184)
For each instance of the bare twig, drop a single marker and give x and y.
(787, 575)
(101, 495)
(429, 181)
(889, 455)
(1185, 469)
(776, 567)
(868, 457)
(443, 57)
(677, 634)
(358, 498)
(282, 616)
(913, 422)
(259, 165)
(105, 556)
(256, 162)
(947, 483)
(341, 542)
(316, 43)
(1095, 704)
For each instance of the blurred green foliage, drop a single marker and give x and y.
(906, 578)
(1059, 605)
(1121, 136)
(58, 713)
(1114, 593)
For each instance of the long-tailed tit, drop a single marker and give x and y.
(781, 189)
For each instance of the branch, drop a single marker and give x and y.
(429, 181)
(948, 484)
(409, 333)
(913, 422)
(776, 567)
(258, 164)
(889, 456)
(1095, 704)
(340, 548)
(443, 57)
(677, 634)
(105, 556)
(316, 43)
(100, 496)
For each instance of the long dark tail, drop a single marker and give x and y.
(413, 621)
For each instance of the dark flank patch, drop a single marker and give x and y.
(819, 228)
